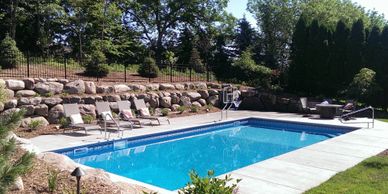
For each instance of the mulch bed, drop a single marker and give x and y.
(53, 129)
(36, 180)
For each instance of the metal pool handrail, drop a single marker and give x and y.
(358, 111)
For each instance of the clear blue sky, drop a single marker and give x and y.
(238, 8)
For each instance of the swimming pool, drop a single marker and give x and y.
(165, 159)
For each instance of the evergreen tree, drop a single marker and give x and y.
(338, 59)
(382, 68)
(245, 36)
(10, 169)
(221, 61)
(186, 45)
(9, 53)
(297, 70)
(355, 49)
(196, 61)
(373, 47)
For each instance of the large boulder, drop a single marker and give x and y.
(214, 85)
(23, 101)
(152, 87)
(213, 92)
(35, 101)
(90, 88)
(15, 84)
(62, 162)
(179, 86)
(104, 89)
(204, 93)
(10, 93)
(213, 100)
(192, 95)
(138, 87)
(29, 83)
(87, 109)
(165, 102)
(112, 98)
(175, 99)
(89, 100)
(189, 86)
(41, 110)
(119, 88)
(49, 87)
(166, 87)
(10, 104)
(197, 104)
(52, 101)
(154, 102)
(202, 102)
(42, 120)
(175, 107)
(185, 101)
(75, 87)
(29, 109)
(200, 85)
(25, 93)
(56, 113)
(1, 106)
(132, 188)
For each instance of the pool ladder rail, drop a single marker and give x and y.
(342, 117)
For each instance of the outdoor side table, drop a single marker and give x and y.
(328, 111)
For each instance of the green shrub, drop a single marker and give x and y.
(149, 68)
(88, 119)
(194, 109)
(364, 87)
(95, 64)
(52, 180)
(253, 74)
(64, 122)
(165, 112)
(209, 184)
(196, 62)
(9, 53)
(35, 124)
(181, 109)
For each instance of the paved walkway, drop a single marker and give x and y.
(293, 172)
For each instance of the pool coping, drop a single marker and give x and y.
(242, 172)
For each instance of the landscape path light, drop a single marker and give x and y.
(78, 172)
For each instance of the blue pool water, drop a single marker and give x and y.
(164, 160)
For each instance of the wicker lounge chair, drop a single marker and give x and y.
(125, 109)
(144, 111)
(72, 111)
(305, 107)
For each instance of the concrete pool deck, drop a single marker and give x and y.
(293, 172)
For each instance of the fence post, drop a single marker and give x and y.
(191, 68)
(28, 63)
(65, 67)
(125, 73)
(171, 72)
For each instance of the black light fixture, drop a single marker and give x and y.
(78, 172)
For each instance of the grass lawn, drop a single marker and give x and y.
(384, 120)
(370, 176)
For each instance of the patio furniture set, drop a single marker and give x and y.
(325, 109)
(126, 118)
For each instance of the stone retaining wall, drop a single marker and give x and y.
(43, 98)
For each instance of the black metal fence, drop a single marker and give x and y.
(28, 65)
